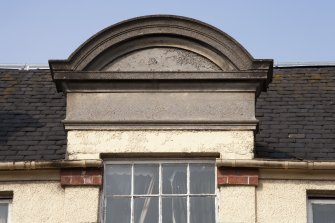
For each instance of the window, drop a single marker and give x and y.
(160, 191)
(4, 210)
(321, 210)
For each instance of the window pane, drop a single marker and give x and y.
(202, 178)
(174, 178)
(146, 210)
(323, 213)
(146, 179)
(3, 212)
(118, 179)
(174, 209)
(118, 210)
(202, 209)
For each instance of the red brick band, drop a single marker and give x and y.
(237, 176)
(81, 177)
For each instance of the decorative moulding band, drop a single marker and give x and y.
(149, 75)
(100, 81)
(133, 125)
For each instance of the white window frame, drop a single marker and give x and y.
(9, 211)
(160, 194)
(312, 200)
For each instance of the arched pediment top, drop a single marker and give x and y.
(161, 72)
(170, 36)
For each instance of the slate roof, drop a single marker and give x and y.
(30, 116)
(297, 116)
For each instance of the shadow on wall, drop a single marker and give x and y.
(12, 123)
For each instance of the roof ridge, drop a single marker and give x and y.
(24, 66)
(305, 64)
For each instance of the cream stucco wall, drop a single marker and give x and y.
(286, 200)
(230, 144)
(237, 204)
(281, 196)
(81, 204)
(48, 202)
(36, 201)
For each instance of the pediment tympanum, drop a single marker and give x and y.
(163, 59)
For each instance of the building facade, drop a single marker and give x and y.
(167, 119)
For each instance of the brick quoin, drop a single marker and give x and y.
(237, 176)
(81, 177)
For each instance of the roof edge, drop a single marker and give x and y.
(304, 64)
(25, 66)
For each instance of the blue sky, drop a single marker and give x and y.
(284, 30)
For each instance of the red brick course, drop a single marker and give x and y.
(237, 176)
(81, 177)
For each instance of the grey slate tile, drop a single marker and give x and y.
(300, 103)
(29, 104)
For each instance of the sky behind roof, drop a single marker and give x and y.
(286, 30)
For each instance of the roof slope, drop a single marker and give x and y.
(297, 116)
(30, 116)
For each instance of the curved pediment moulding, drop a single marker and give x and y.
(161, 72)
(172, 35)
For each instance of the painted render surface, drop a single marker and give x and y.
(286, 200)
(81, 204)
(237, 204)
(36, 201)
(230, 144)
(47, 201)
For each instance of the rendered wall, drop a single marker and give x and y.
(81, 204)
(273, 200)
(237, 204)
(286, 200)
(36, 201)
(39, 198)
(230, 144)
